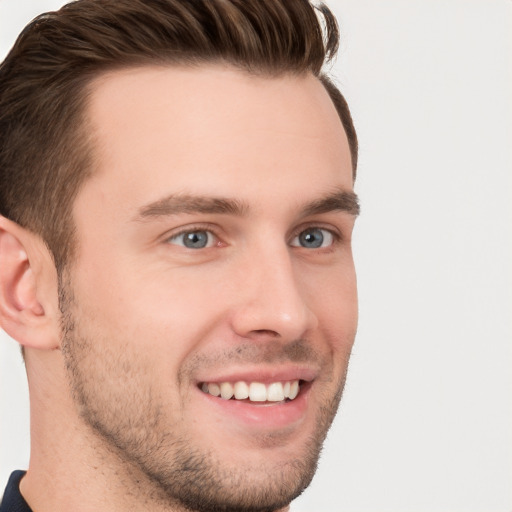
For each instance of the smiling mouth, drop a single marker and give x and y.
(276, 392)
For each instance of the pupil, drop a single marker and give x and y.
(313, 238)
(195, 240)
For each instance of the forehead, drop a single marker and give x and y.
(214, 130)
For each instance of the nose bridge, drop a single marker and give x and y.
(273, 301)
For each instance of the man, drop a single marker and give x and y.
(175, 251)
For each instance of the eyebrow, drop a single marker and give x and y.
(176, 204)
(342, 200)
(184, 203)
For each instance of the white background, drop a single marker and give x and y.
(426, 420)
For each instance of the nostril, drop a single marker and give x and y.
(267, 333)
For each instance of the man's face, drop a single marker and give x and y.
(214, 257)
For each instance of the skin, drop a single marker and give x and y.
(115, 398)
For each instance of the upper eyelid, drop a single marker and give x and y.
(336, 232)
(190, 229)
(215, 230)
(337, 239)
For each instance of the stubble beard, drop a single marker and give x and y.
(162, 460)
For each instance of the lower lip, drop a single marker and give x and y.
(266, 415)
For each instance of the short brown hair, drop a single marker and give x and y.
(45, 154)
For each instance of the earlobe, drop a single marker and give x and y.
(26, 309)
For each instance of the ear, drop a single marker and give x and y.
(28, 288)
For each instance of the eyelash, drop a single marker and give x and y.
(191, 229)
(336, 236)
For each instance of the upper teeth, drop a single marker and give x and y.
(255, 391)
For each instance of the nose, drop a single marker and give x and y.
(272, 299)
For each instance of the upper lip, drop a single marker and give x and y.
(261, 374)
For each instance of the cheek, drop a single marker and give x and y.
(332, 291)
(166, 314)
(332, 295)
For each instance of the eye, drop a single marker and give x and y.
(313, 238)
(195, 239)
